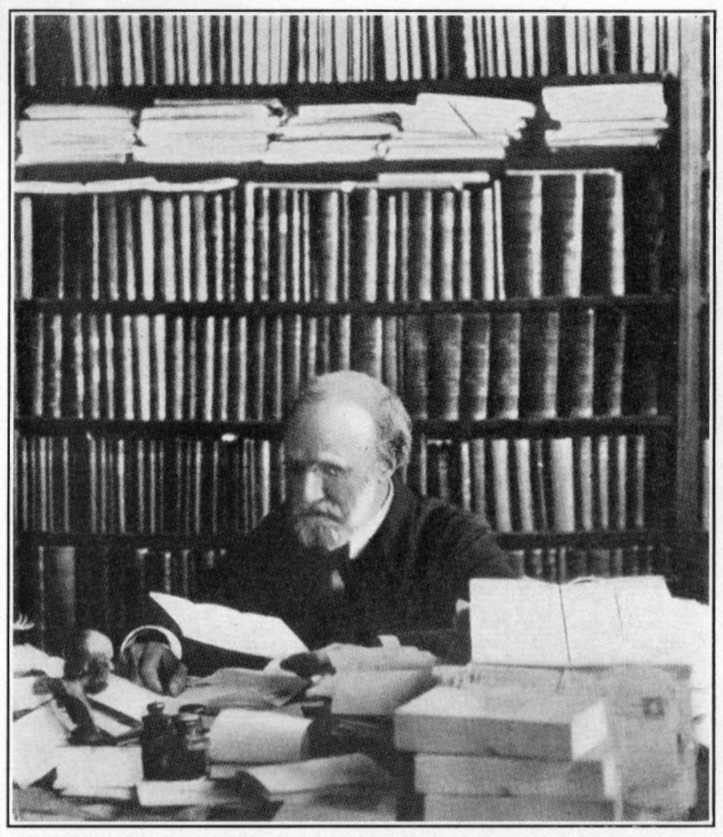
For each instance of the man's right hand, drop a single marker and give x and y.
(153, 665)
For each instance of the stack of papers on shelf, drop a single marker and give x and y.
(436, 126)
(606, 114)
(75, 134)
(442, 126)
(222, 131)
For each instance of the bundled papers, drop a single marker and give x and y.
(75, 134)
(606, 115)
(223, 131)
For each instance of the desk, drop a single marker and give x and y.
(40, 804)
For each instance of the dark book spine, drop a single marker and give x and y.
(538, 364)
(522, 234)
(562, 206)
(576, 363)
(475, 366)
(445, 365)
(416, 366)
(505, 366)
(610, 329)
(59, 595)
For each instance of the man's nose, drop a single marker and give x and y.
(312, 486)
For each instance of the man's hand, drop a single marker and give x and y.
(155, 666)
(308, 663)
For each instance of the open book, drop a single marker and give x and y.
(587, 622)
(249, 634)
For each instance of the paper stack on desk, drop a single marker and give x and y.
(505, 755)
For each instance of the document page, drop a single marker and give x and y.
(223, 627)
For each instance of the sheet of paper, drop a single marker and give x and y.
(160, 794)
(26, 657)
(517, 622)
(374, 692)
(257, 737)
(24, 696)
(223, 627)
(130, 700)
(592, 623)
(91, 768)
(36, 739)
(315, 774)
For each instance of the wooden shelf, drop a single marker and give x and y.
(509, 540)
(295, 93)
(321, 308)
(273, 429)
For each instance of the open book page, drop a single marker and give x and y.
(257, 737)
(223, 627)
(517, 622)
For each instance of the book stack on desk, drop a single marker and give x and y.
(606, 115)
(504, 755)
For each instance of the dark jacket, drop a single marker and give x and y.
(407, 578)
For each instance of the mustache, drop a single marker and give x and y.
(319, 511)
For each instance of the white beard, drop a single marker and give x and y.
(321, 533)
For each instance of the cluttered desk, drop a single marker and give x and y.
(594, 713)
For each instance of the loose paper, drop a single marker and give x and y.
(223, 627)
(257, 737)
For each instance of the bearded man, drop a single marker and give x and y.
(353, 554)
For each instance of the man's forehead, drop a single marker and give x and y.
(334, 421)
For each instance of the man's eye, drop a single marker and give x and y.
(333, 471)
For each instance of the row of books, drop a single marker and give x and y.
(437, 126)
(187, 486)
(476, 366)
(400, 237)
(515, 46)
(106, 586)
(132, 50)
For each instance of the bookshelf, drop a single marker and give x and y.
(542, 322)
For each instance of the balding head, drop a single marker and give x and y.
(391, 420)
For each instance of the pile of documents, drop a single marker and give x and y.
(206, 131)
(75, 134)
(606, 115)
(501, 751)
(436, 127)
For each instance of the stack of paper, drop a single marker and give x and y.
(606, 115)
(334, 133)
(75, 134)
(445, 126)
(436, 126)
(223, 131)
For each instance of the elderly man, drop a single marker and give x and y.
(353, 554)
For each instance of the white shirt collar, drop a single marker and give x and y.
(361, 537)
